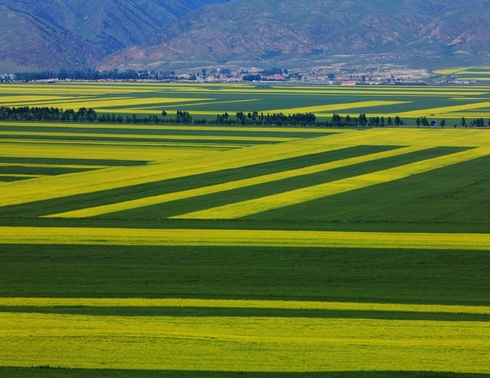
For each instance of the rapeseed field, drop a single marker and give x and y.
(213, 251)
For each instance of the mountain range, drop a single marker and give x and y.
(173, 34)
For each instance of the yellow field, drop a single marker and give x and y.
(483, 70)
(173, 164)
(446, 111)
(336, 107)
(230, 343)
(205, 101)
(254, 206)
(197, 237)
(114, 177)
(133, 204)
(240, 304)
(190, 187)
(68, 135)
(469, 78)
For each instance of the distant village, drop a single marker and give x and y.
(329, 75)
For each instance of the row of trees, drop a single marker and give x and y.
(26, 113)
(478, 122)
(364, 121)
(89, 75)
(254, 118)
(51, 114)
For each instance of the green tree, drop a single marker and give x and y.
(398, 121)
(443, 122)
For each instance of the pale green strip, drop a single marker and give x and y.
(271, 202)
(237, 238)
(239, 303)
(163, 198)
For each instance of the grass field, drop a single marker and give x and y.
(185, 251)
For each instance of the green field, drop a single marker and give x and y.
(473, 74)
(208, 100)
(186, 251)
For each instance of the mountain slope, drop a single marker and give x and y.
(52, 34)
(307, 31)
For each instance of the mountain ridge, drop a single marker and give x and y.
(302, 32)
(173, 34)
(56, 34)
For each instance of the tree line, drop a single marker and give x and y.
(52, 114)
(478, 122)
(26, 113)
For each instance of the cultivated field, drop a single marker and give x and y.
(479, 74)
(185, 251)
(207, 100)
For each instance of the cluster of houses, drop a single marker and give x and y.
(6, 78)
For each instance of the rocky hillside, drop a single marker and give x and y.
(309, 32)
(73, 34)
(164, 34)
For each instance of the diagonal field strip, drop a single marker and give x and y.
(118, 177)
(239, 303)
(258, 205)
(444, 109)
(236, 238)
(336, 107)
(185, 194)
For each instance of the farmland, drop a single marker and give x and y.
(480, 74)
(207, 100)
(142, 250)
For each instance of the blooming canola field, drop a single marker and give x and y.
(207, 100)
(213, 251)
